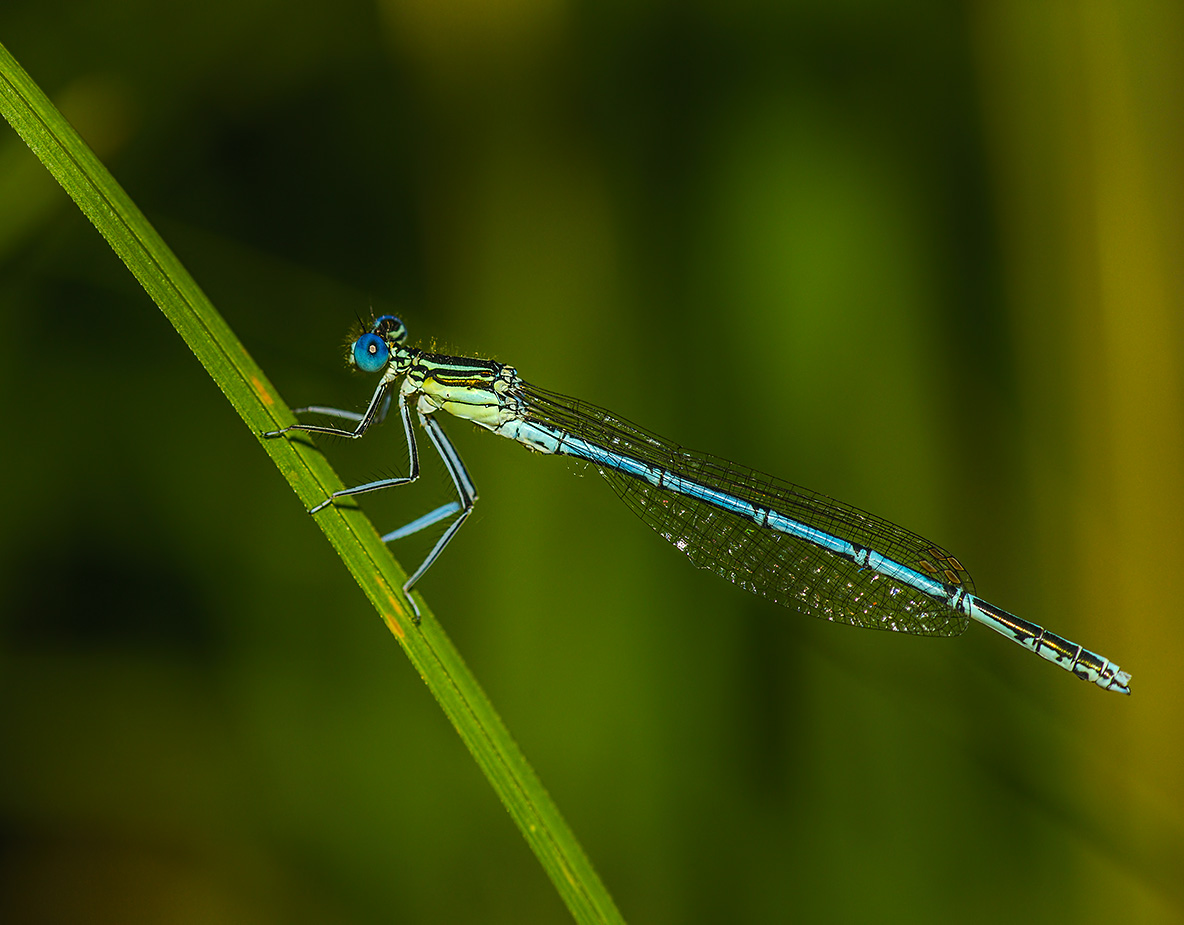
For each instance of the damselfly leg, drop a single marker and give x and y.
(465, 489)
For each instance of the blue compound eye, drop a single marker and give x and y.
(391, 328)
(370, 353)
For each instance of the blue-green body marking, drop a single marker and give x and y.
(794, 546)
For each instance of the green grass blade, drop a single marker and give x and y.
(432, 654)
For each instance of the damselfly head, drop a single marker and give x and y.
(369, 348)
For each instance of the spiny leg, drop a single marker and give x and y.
(380, 484)
(422, 523)
(465, 490)
(371, 416)
(342, 413)
(466, 493)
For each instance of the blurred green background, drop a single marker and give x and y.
(923, 257)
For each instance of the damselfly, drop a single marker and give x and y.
(794, 546)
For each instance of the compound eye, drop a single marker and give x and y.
(370, 353)
(391, 328)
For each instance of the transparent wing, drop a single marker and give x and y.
(783, 568)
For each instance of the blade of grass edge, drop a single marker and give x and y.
(136, 243)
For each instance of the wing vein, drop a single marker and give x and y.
(779, 566)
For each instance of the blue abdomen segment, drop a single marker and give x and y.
(830, 560)
(825, 561)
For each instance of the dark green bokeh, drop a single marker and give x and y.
(912, 256)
